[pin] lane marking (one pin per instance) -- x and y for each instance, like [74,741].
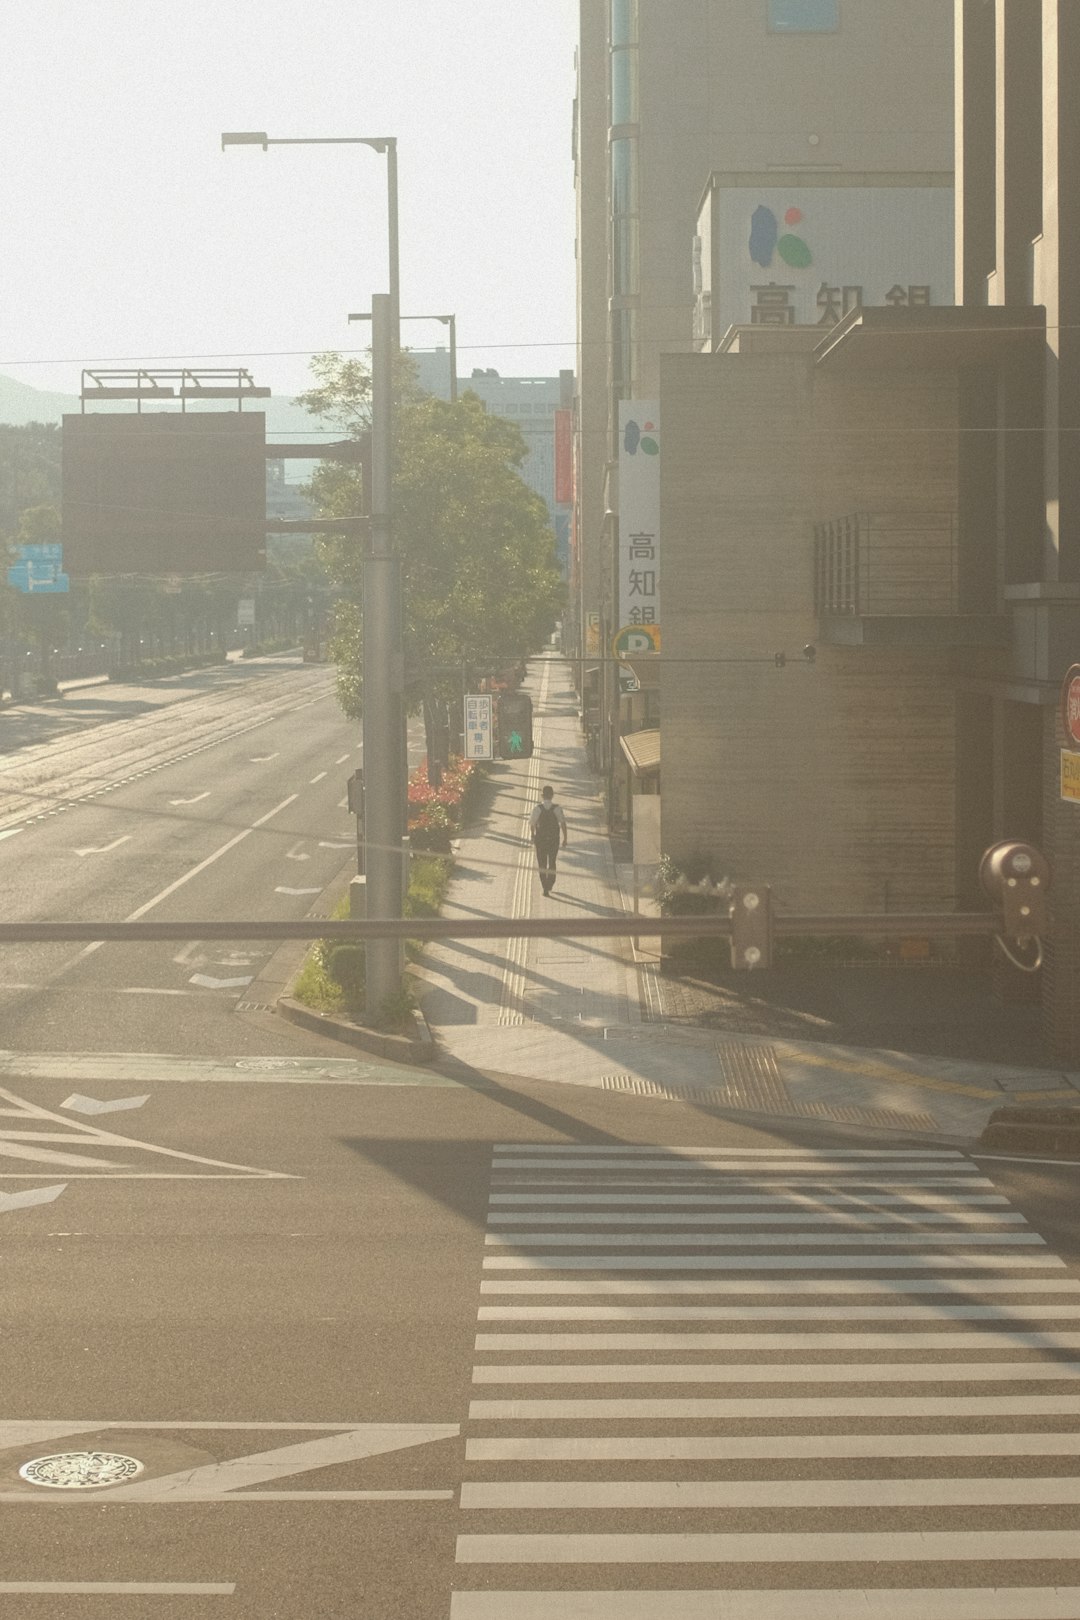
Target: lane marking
[327,843]
[341,760]
[896,1546]
[282,890]
[26,1200]
[86,1135]
[720,1159]
[645,1150]
[120,1588]
[104,849]
[199,797]
[79,1104]
[262,759]
[179,882]
[9,832]
[313,779]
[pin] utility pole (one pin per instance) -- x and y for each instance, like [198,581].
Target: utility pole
[383,679]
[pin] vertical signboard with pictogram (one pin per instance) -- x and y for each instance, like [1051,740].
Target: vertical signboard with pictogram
[639,512]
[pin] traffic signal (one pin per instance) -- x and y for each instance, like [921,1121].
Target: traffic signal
[1016,876]
[751,927]
[515,726]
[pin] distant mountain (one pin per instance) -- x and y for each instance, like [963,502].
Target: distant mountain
[20,404]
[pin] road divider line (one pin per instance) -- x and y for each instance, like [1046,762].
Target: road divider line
[231,843]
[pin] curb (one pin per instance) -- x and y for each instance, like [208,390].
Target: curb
[1054,1132]
[417,1047]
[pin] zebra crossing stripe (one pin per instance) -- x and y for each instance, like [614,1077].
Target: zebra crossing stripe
[976,1339]
[824,1406]
[845,1603]
[746,1495]
[918,1246]
[707,1447]
[772,1547]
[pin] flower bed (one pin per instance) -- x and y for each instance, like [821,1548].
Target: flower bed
[436,814]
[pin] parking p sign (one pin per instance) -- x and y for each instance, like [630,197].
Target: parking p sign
[478,728]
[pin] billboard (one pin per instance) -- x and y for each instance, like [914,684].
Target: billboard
[639,512]
[164,493]
[808,254]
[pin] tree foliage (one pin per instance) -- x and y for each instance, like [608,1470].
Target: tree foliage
[480,581]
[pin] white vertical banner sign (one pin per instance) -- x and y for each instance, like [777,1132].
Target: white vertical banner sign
[478,730]
[639,512]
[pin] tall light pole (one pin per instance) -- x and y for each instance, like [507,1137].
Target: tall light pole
[447,320]
[386,144]
[385,753]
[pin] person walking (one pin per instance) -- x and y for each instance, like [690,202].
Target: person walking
[547,828]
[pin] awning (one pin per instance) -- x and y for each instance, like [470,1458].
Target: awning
[642,750]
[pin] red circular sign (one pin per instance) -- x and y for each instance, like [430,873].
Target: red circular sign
[1070,706]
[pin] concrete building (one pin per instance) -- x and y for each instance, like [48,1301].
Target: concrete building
[1018,248]
[796,98]
[532,403]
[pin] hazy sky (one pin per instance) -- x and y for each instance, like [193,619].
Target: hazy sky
[127,234]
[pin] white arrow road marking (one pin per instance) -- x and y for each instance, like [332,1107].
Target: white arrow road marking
[208,983]
[32,1195]
[191,951]
[105,848]
[297,891]
[298,852]
[262,759]
[79,1104]
[15,1144]
[213,1481]
[196,800]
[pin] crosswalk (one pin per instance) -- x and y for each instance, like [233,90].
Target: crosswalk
[768,1384]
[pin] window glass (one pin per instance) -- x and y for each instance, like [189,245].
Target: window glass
[804,16]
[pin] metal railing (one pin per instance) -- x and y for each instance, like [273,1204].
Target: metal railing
[886,564]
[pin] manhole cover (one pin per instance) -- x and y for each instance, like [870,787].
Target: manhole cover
[80,1470]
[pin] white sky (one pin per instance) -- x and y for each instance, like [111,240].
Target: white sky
[126,233]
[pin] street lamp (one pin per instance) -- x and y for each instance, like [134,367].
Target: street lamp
[379,143]
[385,752]
[447,320]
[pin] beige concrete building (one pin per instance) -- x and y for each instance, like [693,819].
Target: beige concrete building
[759,91]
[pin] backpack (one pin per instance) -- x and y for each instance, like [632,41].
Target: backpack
[546,830]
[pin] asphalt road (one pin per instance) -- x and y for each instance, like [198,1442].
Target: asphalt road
[217,796]
[336,1339]
[531,1371]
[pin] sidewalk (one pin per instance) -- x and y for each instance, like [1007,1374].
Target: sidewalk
[591,1013]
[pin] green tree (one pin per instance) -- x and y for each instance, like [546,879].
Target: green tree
[480,581]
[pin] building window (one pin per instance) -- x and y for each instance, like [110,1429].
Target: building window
[804,16]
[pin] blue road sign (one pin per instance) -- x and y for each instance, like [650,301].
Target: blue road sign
[39,569]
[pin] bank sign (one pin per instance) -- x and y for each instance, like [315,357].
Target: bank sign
[808,255]
[639,512]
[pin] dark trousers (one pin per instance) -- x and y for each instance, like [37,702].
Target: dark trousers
[546,854]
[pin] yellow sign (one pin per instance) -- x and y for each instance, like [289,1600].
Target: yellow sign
[1070,776]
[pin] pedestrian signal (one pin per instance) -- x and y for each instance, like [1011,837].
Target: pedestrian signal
[515,726]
